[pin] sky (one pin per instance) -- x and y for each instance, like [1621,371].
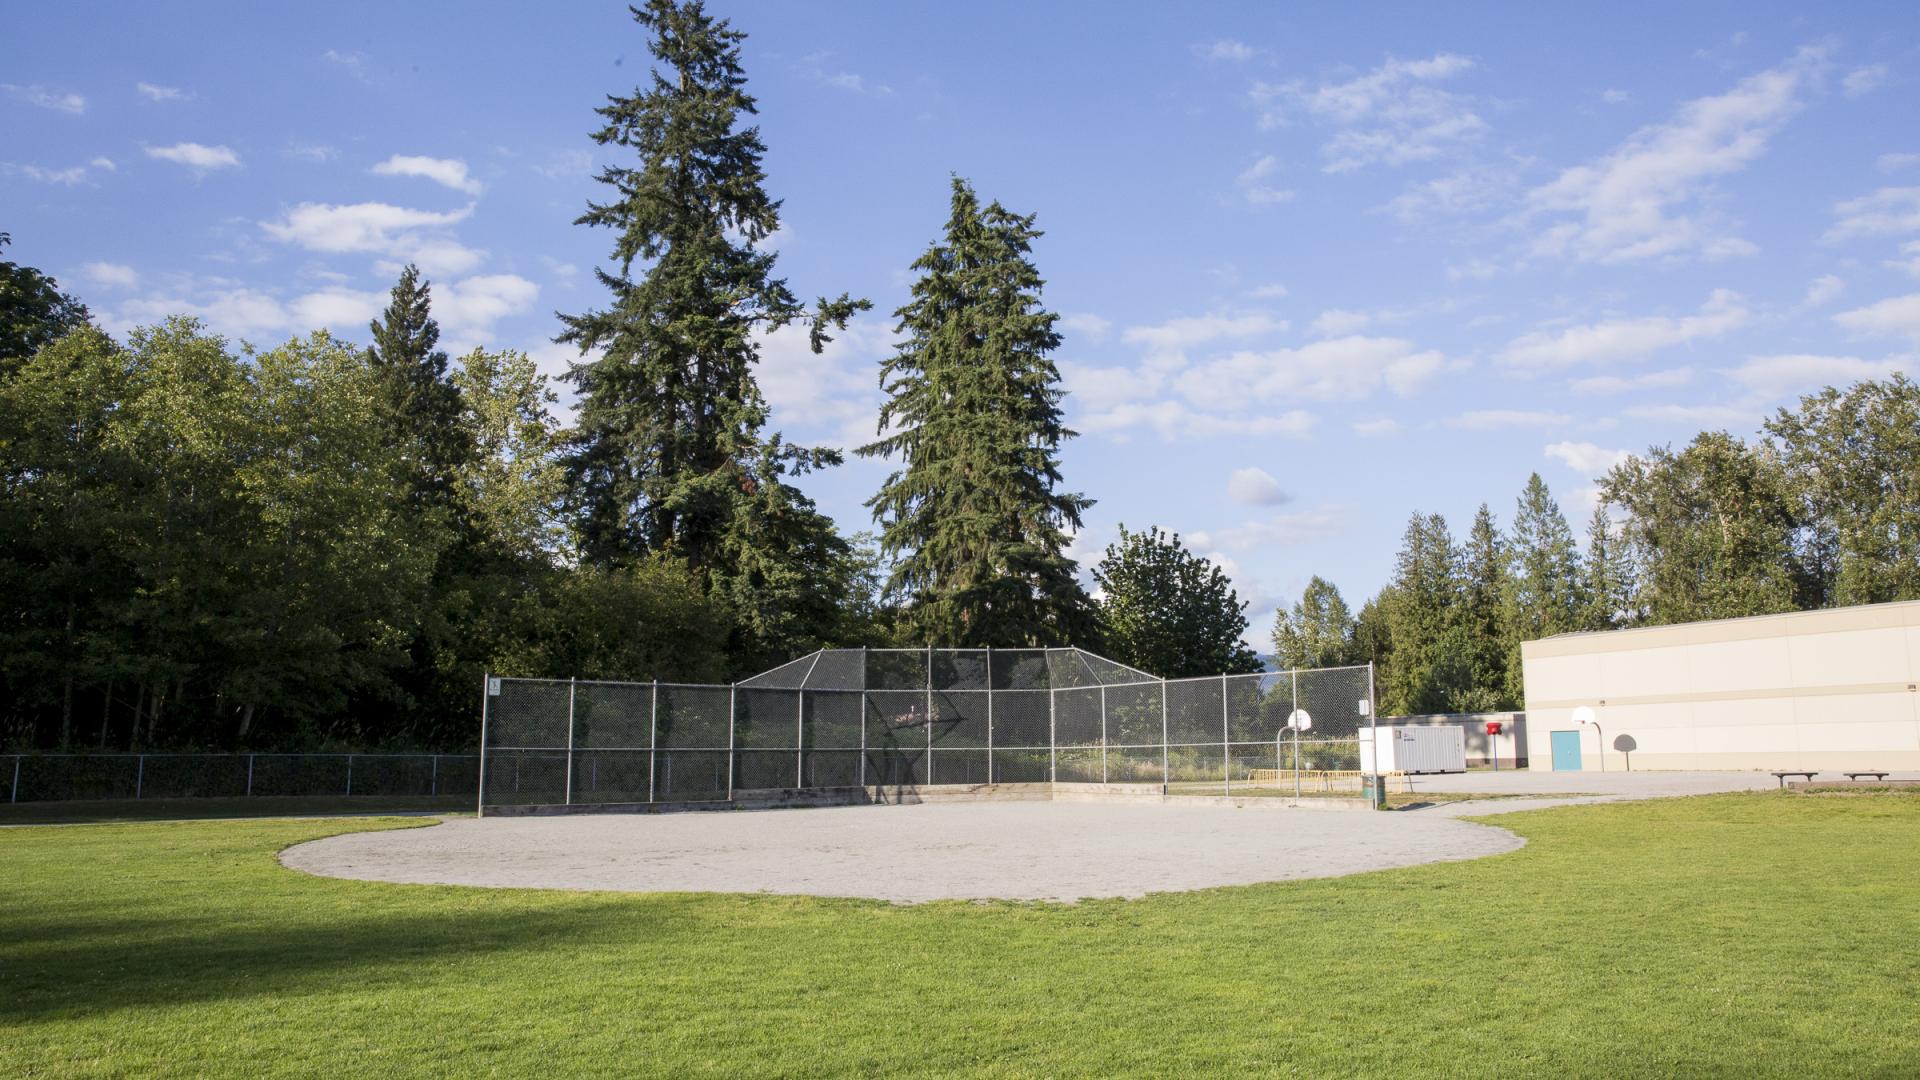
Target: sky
[1318,266]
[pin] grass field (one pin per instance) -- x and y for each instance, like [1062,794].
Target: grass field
[1731,935]
[79,811]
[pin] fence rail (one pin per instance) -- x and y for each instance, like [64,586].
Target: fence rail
[72,777]
[861,718]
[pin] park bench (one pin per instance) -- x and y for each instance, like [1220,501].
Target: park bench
[1858,775]
[1782,776]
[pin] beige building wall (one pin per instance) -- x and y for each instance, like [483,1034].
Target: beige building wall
[1827,690]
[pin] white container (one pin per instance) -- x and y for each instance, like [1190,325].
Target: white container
[1414,749]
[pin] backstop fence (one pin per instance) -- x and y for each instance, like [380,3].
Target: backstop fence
[897,718]
[178,775]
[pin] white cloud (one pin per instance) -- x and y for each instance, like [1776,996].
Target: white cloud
[1912,264]
[1620,384]
[1643,199]
[1778,376]
[111,275]
[1086,325]
[1391,115]
[1379,425]
[1253,183]
[847,80]
[1173,420]
[195,156]
[41,97]
[1458,193]
[104,163]
[1896,162]
[1340,369]
[832,397]
[1268,292]
[355,63]
[1280,530]
[1495,419]
[310,151]
[468,308]
[337,308]
[1823,289]
[1225,49]
[379,228]
[1194,330]
[251,313]
[71,176]
[1626,339]
[1615,97]
[1339,322]
[1862,81]
[161,93]
[1255,487]
[1889,211]
[1472,270]
[1697,416]
[447,172]
[1586,458]
[1893,316]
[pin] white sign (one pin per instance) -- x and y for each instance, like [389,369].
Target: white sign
[1298,720]
[493,687]
[1365,706]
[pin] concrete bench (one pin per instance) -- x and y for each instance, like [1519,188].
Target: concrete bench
[1858,775]
[1782,776]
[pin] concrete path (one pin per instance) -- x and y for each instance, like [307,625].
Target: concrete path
[907,854]
[1575,788]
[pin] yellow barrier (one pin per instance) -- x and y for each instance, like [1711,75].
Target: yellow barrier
[1324,780]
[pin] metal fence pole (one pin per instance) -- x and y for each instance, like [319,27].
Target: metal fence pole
[732,690]
[16,779]
[1053,749]
[1296,738]
[573,688]
[863,717]
[480,797]
[1226,740]
[433,776]
[653,737]
[1373,724]
[249,775]
[140,776]
[1103,733]
[929,715]
[989,715]
[349,774]
[1166,762]
[800,738]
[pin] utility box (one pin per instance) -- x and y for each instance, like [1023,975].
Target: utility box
[1413,749]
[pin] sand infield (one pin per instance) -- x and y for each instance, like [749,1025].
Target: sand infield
[1060,851]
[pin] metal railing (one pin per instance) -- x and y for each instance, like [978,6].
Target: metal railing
[906,718]
[74,777]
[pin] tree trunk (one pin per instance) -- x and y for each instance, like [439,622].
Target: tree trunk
[106,713]
[139,714]
[66,712]
[246,720]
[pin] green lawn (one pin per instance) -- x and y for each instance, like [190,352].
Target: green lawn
[80,811]
[1732,935]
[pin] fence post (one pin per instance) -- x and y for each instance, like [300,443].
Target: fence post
[249,775]
[1053,742]
[349,774]
[1103,733]
[1373,724]
[1226,739]
[480,782]
[433,776]
[140,776]
[573,686]
[16,780]
[1296,738]
[989,715]
[929,714]
[1166,762]
[863,718]
[653,737]
[731,691]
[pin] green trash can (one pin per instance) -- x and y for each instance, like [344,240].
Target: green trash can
[1374,790]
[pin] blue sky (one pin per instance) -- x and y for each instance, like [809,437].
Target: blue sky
[1320,265]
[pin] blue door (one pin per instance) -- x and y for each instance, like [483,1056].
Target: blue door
[1566,751]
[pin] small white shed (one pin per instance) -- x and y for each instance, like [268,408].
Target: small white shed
[1421,749]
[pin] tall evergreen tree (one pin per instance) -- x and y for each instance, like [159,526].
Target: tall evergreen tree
[1607,584]
[1421,608]
[975,513]
[1169,611]
[669,454]
[1484,629]
[1318,632]
[1544,594]
[422,405]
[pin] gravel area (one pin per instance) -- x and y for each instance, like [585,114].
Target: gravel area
[1058,851]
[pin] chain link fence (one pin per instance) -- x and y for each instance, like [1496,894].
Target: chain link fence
[897,718]
[71,777]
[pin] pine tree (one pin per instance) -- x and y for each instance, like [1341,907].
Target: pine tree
[1484,624]
[1544,597]
[669,454]
[1607,586]
[1421,611]
[422,405]
[975,513]
[1319,632]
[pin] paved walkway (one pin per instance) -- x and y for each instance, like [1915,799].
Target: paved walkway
[1575,788]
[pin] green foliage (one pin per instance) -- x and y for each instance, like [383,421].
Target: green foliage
[1607,589]
[33,312]
[1485,632]
[1546,593]
[648,620]
[1853,460]
[974,515]
[419,403]
[1422,615]
[1167,611]
[1712,530]
[1319,632]
[668,455]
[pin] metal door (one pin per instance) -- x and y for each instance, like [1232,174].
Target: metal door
[1566,751]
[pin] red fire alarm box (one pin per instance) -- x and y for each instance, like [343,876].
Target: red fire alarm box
[1493,727]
